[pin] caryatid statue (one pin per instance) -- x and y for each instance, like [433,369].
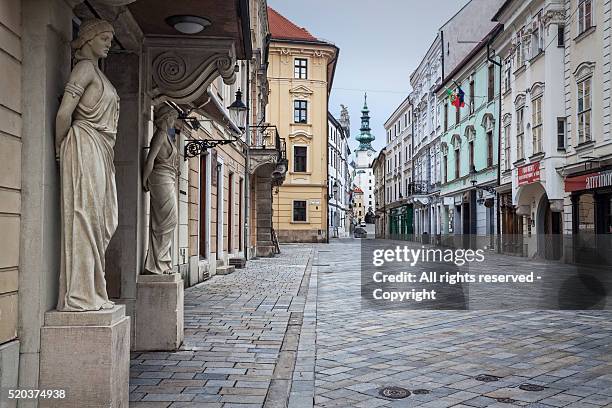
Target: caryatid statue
[85,133]
[159,178]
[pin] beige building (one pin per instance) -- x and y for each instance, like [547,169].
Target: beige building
[300,73]
[359,211]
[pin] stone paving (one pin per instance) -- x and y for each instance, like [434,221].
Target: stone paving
[359,351]
[291,332]
[235,327]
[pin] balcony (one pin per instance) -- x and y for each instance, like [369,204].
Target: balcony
[268,153]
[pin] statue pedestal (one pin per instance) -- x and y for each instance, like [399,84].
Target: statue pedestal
[159,312]
[87,354]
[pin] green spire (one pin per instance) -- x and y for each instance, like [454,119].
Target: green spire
[365,138]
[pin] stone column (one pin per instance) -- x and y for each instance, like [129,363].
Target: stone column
[125,253]
[46,32]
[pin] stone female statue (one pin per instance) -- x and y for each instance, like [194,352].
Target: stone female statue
[159,178]
[86,128]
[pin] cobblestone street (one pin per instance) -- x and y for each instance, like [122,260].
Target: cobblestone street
[250,342]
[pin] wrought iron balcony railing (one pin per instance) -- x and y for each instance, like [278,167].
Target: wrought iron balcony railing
[267,137]
[418,187]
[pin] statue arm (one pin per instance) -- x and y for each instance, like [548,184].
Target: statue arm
[80,77]
[156,144]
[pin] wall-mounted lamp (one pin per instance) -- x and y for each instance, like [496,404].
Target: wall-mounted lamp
[186,24]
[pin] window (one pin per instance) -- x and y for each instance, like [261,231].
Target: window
[561,133]
[585,15]
[520,49]
[300,68]
[445,162]
[536,123]
[560,35]
[491,83]
[300,111]
[520,131]
[457,115]
[457,162]
[299,159]
[405,120]
[507,76]
[537,35]
[299,211]
[471,151]
[446,116]
[584,111]
[507,147]
[490,149]
[472,97]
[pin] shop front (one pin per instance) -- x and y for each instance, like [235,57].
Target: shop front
[591,200]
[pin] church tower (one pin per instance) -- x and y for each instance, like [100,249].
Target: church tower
[364,155]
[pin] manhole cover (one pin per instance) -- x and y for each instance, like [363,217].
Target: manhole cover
[394,392]
[421,391]
[486,378]
[531,387]
[505,400]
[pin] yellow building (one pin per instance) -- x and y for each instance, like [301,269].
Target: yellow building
[300,73]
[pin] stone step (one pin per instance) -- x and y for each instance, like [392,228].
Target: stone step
[265,251]
[239,263]
[225,270]
[219,262]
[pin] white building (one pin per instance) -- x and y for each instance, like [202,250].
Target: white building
[398,170]
[532,109]
[339,176]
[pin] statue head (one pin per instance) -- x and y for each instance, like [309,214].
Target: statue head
[165,116]
[94,39]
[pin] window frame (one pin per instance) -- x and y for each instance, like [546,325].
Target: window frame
[536,124]
[561,136]
[520,132]
[584,24]
[300,71]
[305,209]
[298,110]
[305,158]
[507,147]
[584,113]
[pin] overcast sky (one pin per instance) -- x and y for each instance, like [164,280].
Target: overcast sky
[381,42]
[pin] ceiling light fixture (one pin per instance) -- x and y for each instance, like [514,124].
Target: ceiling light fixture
[188,24]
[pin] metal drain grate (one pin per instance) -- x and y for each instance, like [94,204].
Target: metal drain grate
[394,392]
[531,387]
[486,378]
[421,391]
[505,400]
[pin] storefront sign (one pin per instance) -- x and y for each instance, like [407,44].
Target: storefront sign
[589,181]
[529,174]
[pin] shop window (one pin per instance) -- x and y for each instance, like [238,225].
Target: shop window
[299,211]
[586,214]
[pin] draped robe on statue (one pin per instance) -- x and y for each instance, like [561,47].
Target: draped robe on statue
[162,185]
[88,201]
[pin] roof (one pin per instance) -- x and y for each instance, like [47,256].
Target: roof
[482,44]
[358,190]
[501,10]
[282,28]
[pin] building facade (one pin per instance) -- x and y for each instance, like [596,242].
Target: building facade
[380,187]
[469,144]
[339,178]
[398,177]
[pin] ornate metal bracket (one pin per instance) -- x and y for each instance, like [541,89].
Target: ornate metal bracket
[195,148]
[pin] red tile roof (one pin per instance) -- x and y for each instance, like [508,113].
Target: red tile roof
[283,29]
[358,190]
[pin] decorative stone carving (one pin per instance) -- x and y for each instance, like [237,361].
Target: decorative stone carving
[86,128]
[584,70]
[183,74]
[553,17]
[159,178]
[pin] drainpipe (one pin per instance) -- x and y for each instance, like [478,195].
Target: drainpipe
[499,133]
[247,186]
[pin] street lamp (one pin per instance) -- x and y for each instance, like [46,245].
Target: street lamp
[238,110]
[335,189]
